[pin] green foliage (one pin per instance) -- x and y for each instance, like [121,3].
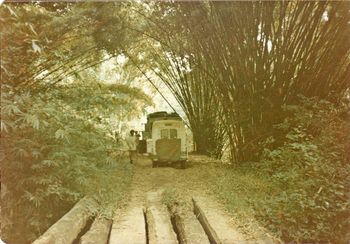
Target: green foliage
[312,169]
[57,119]
[57,127]
[256,57]
[299,190]
[56,152]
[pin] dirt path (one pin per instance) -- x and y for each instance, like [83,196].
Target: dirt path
[162,209]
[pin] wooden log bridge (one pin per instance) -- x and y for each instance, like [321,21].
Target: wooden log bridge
[151,224]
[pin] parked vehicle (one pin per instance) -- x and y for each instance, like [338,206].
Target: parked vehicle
[165,136]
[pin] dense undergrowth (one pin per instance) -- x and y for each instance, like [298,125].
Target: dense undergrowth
[312,170]
[58,148]
[299,190]
[58,120]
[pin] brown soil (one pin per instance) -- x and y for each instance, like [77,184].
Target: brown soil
[150,185]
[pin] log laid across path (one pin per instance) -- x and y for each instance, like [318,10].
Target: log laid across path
[149,219]
[68,228]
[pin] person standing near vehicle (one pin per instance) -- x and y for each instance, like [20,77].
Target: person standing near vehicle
[137,135]
[131,141]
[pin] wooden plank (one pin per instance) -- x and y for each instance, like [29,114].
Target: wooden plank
[160,230]
[188,229]
[194,232]
[129,228]
[215,223]
[98,232]
[211,233]
[66,229]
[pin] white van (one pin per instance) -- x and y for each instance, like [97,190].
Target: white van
[165,136]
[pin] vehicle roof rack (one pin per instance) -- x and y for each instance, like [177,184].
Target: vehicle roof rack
[162,114]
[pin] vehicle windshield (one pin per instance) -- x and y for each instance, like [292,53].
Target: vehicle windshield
[168,134]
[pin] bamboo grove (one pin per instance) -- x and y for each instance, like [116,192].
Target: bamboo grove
[234,65]
[241,72]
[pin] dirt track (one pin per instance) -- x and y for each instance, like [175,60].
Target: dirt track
[160,210]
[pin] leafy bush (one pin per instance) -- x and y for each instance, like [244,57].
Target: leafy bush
[312,170]
[57,131]
[59,147]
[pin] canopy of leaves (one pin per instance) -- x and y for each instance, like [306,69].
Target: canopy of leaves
[255,57]
[57,117]
[236,68]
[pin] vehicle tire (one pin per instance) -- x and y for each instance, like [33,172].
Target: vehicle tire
[154,164]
